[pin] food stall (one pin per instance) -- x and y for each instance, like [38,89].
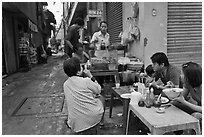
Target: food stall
[107,63]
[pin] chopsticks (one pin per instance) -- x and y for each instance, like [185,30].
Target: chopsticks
[159,97]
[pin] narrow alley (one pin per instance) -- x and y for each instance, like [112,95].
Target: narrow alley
[144,58]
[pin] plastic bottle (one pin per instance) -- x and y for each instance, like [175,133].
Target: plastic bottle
[151,96]
[141,88]
[102,45]
[147,101]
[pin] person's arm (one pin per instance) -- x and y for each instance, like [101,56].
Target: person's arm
[182,100]
[68,38]
[92,84]
[108,40]
[156,78]
[69,44]
[94,40]
[173,81]
[86,55]
[192,106]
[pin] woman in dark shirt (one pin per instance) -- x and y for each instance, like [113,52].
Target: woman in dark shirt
[192,73]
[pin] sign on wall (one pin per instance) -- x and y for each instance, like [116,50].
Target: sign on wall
[95,13]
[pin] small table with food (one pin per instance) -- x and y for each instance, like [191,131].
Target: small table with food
[106,66]
[166,118]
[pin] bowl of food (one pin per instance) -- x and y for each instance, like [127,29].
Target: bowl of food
[172,93]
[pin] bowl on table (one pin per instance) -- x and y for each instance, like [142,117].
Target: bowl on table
[126,95]
[172,93]
[164,100]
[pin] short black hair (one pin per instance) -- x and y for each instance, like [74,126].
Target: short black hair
[193,72]
[78,45]
[160,58]
[79,21]
[103,22]
[149,70]
[71,66]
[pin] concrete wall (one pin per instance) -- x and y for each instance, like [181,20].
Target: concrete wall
[154,28]
[8,43]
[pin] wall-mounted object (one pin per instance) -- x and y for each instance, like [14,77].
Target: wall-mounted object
[135,7]
[154,12]
[145,42]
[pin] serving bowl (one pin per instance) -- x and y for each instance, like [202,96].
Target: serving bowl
[172,93]
[126,95]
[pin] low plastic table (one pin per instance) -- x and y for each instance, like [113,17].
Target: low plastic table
[172,119]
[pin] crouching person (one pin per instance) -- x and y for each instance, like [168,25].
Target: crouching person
[85,105]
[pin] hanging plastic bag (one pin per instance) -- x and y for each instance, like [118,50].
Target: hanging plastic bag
[131,34]
[135,33]
[125,38]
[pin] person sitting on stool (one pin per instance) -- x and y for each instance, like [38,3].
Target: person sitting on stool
[85,105]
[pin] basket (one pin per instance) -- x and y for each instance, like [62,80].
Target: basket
[99,66]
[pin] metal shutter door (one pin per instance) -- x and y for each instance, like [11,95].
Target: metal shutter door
[114,19]
[184,32]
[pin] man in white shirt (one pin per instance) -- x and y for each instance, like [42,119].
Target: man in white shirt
[85,105]
[101,39]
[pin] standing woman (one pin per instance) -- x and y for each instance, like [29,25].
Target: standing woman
[101,39]
[192,86]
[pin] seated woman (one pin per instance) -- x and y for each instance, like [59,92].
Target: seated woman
[80,54]
[84,104]
[192,86]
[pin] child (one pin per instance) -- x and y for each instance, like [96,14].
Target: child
[80,54]
[151,78]
[150,73]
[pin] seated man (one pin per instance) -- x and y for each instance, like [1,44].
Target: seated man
[168,73]
[84,103]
